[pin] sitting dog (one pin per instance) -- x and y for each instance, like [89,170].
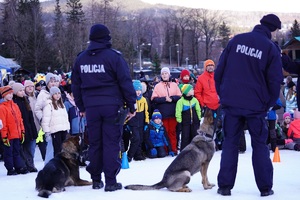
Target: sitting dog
[62,170]
[193,158]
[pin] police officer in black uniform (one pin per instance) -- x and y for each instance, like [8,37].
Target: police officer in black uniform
[248,78]
[101,84]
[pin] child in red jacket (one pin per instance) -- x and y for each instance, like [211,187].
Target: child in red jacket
[12,133]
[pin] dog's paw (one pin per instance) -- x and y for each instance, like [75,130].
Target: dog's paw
[209,186]
[184,189]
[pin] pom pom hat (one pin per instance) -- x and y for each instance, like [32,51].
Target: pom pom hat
[6,90]
[156,115]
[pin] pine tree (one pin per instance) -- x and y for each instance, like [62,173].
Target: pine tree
[224,32]
[76,31]
[156,63]
[295,29]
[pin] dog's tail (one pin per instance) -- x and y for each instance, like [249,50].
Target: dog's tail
[156,186]
[44,193]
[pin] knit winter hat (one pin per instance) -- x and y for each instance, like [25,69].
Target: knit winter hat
[28,83]
[271,21]
[54,90]
[183,73]
[17,87]
[49,76]
[5,90]
[165,69]
[286,114]
[208,62]
[99,31]
[185,88]
[156,115]
[137,85]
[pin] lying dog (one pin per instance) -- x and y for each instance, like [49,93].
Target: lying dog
[192,159]
[62,170]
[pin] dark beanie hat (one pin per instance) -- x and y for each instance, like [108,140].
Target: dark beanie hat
[99,31]
[271,21]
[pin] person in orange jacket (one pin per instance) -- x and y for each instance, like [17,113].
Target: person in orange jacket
[12,133]
[205,90]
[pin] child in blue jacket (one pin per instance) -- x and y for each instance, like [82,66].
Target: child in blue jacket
[156,138]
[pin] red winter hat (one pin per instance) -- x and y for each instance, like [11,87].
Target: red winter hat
[6,90]
[184,73]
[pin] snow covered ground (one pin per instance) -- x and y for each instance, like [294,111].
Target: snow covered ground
[150,171]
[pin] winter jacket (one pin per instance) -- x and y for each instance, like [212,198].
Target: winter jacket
[271,115]
[249,72]
[27,116]
[54,120]
[294,68]
[101,77]
[12,120]
[77,124]
[294,130]
[142,115]
[42,98]
[291,103]
[32,101]
[156,136]
[188,111]
[205,91]
[160,92]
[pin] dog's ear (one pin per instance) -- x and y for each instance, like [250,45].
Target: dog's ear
[208,115]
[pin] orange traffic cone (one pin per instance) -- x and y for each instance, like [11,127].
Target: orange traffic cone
[276,157]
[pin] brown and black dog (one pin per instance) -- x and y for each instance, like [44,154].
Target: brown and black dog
[62,170]
[192,159]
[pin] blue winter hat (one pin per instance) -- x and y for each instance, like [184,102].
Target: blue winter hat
[137,85]
[156,115]
[99,31]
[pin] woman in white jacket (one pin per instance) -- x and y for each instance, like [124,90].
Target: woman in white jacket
[41,100]
[55,121]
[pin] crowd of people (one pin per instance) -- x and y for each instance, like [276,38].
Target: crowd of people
[162,117]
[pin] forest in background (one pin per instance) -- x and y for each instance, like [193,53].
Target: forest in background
[49,35]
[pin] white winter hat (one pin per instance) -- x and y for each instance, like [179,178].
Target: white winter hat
[165,69]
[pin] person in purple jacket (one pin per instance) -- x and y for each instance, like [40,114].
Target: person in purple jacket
[248,78]
[101,85]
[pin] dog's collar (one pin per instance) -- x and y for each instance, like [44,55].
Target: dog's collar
[205,135]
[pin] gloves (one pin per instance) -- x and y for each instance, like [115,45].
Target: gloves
[22,139]
[6,142]
[153,152]
[171,153]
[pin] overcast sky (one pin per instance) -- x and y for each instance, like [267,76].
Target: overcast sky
[238,5]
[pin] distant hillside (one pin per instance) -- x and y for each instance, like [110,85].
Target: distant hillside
[244,20]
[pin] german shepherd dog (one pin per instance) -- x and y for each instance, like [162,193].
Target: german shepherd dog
[62,170]
[193,158]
